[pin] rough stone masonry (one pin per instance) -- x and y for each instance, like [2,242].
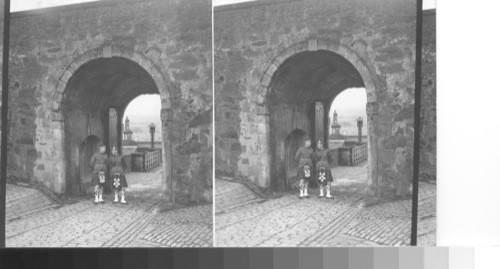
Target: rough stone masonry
[68,65]
[273,59]
[428,164]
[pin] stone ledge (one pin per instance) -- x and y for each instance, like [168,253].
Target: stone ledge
[429,12]
[71,7]
[252,4]
[49,193]
[250,185]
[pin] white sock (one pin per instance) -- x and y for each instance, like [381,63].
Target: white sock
[96,198]
[321,191]
[305,192]
[301,193]
[328,193]
[116,197]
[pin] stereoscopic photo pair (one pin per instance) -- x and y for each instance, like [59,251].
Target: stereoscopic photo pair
[278,123]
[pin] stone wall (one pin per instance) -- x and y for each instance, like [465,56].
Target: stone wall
[377,37]
[428,157]
[172,38]
[1,49]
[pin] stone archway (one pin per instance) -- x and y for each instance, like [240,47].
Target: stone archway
[76,100]
[360,73]
[109,51]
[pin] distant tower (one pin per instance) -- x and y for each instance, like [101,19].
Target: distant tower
[336,135]
[335,124]
[127,133]
[152,128]
[360,129]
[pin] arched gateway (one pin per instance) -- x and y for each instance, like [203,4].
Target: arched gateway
[90,99]
[298,89]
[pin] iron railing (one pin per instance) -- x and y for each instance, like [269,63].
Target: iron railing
[144,160]
[152,159]
[352,154]
[359,154]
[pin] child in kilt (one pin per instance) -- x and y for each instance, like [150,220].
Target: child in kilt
[119,182]
[99,162]
[323,172]
[304,157]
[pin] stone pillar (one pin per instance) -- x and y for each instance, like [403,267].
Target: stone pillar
[152,132]
[372,113]
[59,154]
[360,129]
[264,163]
[319,123]
[167,175]
[326,127]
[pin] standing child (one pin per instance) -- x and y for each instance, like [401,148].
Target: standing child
[304,157]
[99,162]
[119,183]
[324,174]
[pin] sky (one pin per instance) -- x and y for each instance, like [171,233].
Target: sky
[350,104]
[21,5]
[350,100]
[142,111]
[144,107]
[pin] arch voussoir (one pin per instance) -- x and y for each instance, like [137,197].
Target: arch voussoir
[116,51]
[361,65]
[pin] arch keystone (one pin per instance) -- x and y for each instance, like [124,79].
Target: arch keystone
[107,51]
[312,44]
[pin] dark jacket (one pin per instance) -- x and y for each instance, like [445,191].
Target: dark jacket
[117,164]
[322,159]
[99,161]
[304,156]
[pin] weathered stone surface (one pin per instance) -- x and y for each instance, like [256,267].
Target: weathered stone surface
[245,219]
[34,220]
[372,43]
[59,75]
[428,111]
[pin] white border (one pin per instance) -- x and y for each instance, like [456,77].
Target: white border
[468,128]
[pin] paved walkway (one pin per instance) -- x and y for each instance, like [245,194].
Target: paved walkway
[145,185]
[250,221]
[33,220]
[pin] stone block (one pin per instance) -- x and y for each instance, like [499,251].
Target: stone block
[312,44]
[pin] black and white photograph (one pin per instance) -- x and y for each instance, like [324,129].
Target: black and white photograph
[249,133]
[110,124]
[314,123]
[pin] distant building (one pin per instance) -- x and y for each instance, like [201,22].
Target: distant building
[335,128]
[127,134]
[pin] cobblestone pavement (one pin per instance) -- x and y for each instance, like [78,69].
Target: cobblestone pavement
[33,220]
[289,221]
[145,184]
[233,195]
